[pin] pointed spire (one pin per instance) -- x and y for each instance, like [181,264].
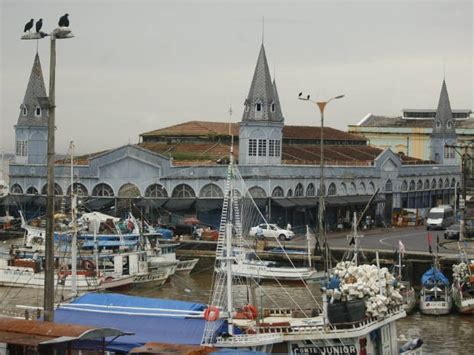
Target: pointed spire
[29,115]
[444,123]
[258,105]
[276,102]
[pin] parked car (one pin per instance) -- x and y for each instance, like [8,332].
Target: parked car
[271,231]
[452,232]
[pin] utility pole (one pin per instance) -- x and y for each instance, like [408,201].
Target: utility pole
[50,104]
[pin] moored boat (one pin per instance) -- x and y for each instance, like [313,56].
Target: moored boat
[463,287]
[435,294]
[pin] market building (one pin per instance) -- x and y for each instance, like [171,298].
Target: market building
[181,170]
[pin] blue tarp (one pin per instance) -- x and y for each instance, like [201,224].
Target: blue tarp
[144,323]
[434,276]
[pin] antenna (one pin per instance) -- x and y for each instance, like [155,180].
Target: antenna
[230,130]
[263,29]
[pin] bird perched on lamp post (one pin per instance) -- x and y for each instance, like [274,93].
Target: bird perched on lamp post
[29,26]
[64,21]
[39,24]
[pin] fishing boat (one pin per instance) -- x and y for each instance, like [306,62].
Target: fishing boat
[248,264]
[435,294]
[357,301]
[463,284]
[24,267]
[405,288]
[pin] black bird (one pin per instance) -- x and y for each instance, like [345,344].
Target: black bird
[29,25]
[64,21]
[299,95]
[39,24]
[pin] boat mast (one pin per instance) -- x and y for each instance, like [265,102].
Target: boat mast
[228,236]
[74,227]
[308,241]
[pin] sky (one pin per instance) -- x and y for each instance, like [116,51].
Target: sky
[137,66]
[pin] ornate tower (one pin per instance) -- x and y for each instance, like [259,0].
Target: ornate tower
[260,138]
[444,131]
[31,130]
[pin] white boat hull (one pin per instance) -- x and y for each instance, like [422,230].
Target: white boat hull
[464,303]
[436,307]
[259,271]
[186,266]
[14,276]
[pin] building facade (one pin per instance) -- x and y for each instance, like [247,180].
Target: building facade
[181,170]
[420,133]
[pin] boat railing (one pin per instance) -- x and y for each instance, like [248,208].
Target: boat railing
[334,328]
[243,339]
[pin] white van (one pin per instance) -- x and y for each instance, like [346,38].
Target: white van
[440,217]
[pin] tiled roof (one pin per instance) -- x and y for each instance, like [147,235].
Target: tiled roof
[34,90]
[400,122]
[205,129]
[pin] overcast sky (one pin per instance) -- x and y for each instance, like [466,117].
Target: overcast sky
[136,66]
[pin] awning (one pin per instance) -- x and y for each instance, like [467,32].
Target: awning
[305,201]
[179,204]
[334,201]
[36,333]
[209,204]
[15,200]
[151,202]
[283,202]
[98,203]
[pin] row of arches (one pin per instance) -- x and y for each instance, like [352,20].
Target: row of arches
[212,190]
[419,185]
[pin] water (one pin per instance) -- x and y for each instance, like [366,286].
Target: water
[452,334]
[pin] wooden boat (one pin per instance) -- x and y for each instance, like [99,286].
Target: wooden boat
[297,330]
[463,287]
[435,294]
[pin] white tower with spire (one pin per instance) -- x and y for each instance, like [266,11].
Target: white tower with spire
[444,131]
[31,130]
[260,138]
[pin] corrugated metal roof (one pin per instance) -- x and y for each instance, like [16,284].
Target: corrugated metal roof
[34,333]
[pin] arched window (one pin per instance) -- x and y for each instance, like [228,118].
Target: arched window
[16,189]
[58,191]
[440,183]
[273,107]
[388,186]
[156,190]
[453,183]
[412,185]
[278,192]
[446,183]
[433,184]
[211,190]
[258,107]
[362,189]
[299,191]
[371,188]
[79,189]
[343,189]
[352,189]
[183,190]
[310,190]
[332,189]
[427,184]
[289,193]
[103,190]
[257,192]
[32,190]
[24,110]
[38,111]
[404,185]
[129,190]
[419,185]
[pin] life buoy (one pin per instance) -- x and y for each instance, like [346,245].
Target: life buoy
[211,313]
[88,265]
[63,271]
[250,311]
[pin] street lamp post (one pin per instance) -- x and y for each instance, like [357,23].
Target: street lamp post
[322,190]
[49,103]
